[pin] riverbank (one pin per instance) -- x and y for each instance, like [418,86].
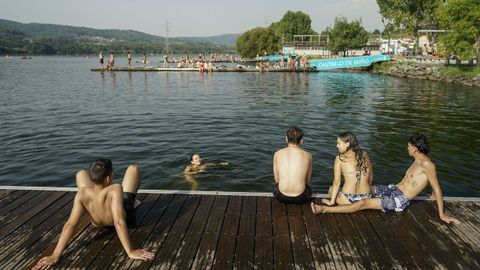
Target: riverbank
[466,75]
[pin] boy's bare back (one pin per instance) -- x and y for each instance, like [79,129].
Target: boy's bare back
[98,203]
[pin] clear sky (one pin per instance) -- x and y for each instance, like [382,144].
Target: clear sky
[186,17]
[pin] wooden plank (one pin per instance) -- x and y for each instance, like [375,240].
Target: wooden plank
[188,249]
[416,232]
[224,255]
[144,230]
[16,203]
[302,254]
[47,242]
[282,246]
[164,225]
[208,244]
[468,228]
[172,243]
[32,242]
[245,250]
[29,211]
[13,241]
[10,198]
[5,193]
[318,242]
[373,245]
[455,250]
[263,234]
[394,255]
[354,241]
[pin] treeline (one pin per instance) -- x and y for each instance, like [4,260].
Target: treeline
[43,39]
[343,35]
[461,19]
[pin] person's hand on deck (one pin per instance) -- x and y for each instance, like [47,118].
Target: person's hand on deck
[45,263]
[140,254]
[449,219]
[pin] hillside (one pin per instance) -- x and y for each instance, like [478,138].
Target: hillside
[36,38]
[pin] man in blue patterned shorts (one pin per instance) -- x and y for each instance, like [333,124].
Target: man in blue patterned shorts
[397,197]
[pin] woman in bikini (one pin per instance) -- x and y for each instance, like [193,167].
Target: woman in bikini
[354,165]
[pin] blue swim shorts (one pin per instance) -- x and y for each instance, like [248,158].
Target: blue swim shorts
[392,199]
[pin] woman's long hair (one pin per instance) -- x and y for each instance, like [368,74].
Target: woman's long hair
[360,155]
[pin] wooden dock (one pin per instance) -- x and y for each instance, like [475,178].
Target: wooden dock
[173,69]
[193,230]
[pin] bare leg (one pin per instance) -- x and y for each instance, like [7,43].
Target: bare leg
[83,179]
[131,180]
[373,203]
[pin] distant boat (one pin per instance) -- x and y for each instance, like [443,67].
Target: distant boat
[25,57]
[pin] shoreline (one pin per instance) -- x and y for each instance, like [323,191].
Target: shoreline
[464,75]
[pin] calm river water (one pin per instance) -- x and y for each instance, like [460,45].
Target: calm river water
[56,116]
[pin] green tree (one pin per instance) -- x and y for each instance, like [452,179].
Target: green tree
[294,23]
[463,17]
[345,35]
[257,41]
[411,15]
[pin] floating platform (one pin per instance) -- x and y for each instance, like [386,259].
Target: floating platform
[222,230]
[172,69]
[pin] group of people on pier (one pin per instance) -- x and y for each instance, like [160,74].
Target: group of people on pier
[110,204]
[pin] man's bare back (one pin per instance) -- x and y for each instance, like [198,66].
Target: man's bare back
[98,203]
[292,169]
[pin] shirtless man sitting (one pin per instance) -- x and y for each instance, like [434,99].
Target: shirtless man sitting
[292,170]
[397,197]
[106,204]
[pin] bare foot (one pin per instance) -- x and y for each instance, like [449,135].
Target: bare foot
[326,201]
[136,203]
[317,209]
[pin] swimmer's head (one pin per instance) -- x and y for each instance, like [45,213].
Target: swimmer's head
[195,159]
[294,135]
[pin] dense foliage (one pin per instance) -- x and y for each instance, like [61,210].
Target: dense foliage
[344,35]
[463,17]
[259,40]
[410,15]
[47,39]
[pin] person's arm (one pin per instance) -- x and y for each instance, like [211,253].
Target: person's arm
[118,214]
[65,236]
[275,169]
[337,178]
[431,172]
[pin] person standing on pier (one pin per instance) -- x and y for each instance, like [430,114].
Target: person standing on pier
[100,57]
[106,204]
[397,197]
[111,61]
[144,60]
[129,58]
[292,170]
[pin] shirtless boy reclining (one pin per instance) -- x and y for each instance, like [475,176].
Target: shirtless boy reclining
[106,204]
[397,197]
